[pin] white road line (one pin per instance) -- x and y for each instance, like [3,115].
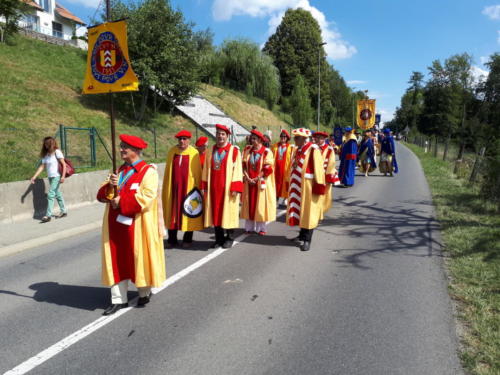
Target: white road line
[65,343]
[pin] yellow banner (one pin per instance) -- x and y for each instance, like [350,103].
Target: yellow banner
[366,113]
[108,64]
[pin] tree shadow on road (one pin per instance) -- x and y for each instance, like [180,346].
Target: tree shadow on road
[75,296]
[395,229]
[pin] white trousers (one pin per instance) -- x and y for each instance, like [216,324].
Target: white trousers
[119,292]
[255,226]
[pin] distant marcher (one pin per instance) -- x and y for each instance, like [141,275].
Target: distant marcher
[267,141]
[201,146]
[306,188]
[132,242]
[367,154]
[282,152]
[52,157]
[222,184]
[348,156]
[259,193]
[181,195]
[388,163]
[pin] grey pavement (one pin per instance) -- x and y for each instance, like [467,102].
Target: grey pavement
[369,298]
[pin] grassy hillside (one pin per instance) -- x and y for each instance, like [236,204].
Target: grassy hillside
[40,88]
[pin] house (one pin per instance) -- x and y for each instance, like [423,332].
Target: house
[51,19]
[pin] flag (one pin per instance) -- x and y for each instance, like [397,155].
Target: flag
[366,113]
[108,64]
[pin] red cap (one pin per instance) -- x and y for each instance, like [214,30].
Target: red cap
[134,141]
[202,141]
[183,133]
[321,134]
[258,134]
[283,131]
[223,128]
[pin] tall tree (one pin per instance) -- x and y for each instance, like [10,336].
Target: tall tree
[11,11]
[300,103]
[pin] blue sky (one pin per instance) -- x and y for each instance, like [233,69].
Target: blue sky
[375,44]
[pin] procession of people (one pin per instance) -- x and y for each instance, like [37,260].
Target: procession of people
[216,186]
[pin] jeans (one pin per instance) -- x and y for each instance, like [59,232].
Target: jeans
[54,192]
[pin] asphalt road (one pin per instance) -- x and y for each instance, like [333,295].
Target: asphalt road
[369,298]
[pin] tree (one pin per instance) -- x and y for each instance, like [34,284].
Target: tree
[12,11]
[162,49]
[300,103]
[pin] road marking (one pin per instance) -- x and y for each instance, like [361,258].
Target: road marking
[65,343]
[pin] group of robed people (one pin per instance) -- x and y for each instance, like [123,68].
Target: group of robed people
[203,187]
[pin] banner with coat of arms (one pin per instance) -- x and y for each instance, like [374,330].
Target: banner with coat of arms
[366,113]
[108,64]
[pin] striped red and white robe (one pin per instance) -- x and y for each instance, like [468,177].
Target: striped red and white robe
[307,186]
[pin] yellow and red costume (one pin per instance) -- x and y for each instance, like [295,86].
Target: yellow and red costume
[282,156]
[331,175]
[132,245]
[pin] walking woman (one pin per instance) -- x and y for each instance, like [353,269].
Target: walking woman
[51,158]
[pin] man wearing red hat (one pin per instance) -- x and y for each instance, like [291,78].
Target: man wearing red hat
[331,175]
[259,193]
[201,146]
[282,152]
[132,244]
[182,199]
[306,187]
[222,182]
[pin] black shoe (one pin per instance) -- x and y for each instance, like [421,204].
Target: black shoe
[215,245]
[305,246]
[114,308]
[144,300]
[227,244]
[45,219]
[296,240]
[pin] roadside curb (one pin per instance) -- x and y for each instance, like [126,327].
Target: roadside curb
[44,240]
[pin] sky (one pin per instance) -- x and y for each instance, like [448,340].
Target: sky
[374,44]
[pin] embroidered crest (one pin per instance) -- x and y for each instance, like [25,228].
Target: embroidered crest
[108,64]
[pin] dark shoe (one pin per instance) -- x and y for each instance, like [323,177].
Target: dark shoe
[186,245]
[296,240]
[144,300]
[114,308]
[61,215]
[305,246]
[171,245]
[215,245]
[227,244]
[45,219]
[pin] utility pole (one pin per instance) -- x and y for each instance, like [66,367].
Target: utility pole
[319,80]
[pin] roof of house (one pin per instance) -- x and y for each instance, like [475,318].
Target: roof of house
[64,13]
[33,4]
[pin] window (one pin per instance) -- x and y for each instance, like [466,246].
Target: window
[45,4]
[57,30]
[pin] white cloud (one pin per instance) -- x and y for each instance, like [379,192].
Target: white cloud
[87,3]
[478,74]
[336,47]
[484,59]
[356,82]
[492,12]
[386,114]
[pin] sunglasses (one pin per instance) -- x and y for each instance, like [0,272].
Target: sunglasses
[183,138]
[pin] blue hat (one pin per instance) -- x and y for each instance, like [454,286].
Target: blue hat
[348,129]
[387,130]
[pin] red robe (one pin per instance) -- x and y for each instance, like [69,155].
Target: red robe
[253,170]
[280,167]
[180,171]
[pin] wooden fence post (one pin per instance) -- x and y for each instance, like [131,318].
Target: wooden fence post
[477,163]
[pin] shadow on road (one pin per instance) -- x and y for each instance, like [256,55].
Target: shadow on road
[395,229]
[76,296]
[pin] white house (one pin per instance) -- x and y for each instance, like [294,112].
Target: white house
[50,18]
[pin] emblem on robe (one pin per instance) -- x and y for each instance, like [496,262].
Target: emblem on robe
[193,204]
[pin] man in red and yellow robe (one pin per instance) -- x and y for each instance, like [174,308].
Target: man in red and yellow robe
[282,152]
[132,244]
[259,194]
[222,184]
[331,175]
[182,199]
[306,181]
[201,145]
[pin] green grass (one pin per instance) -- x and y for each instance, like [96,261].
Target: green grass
[40,88]
[471,234]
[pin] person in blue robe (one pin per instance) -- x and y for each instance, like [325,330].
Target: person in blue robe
[366,153]
[348,156]
[388,163]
